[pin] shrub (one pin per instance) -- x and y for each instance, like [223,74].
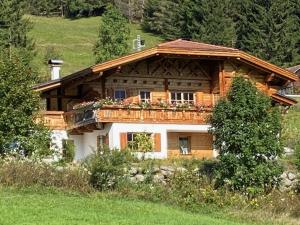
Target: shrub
[297,156]
[107,168]
[24,173]
[246,128]
[68,150]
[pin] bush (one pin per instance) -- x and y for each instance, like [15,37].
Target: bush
[107,168]
[68,150]
[297,156]
[25,173]
[246,128]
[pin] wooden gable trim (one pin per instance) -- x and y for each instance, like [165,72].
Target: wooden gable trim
[283,100]
[161,49]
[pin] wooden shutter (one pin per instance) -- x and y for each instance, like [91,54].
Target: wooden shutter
[106,140]
[123,140]
[157,142]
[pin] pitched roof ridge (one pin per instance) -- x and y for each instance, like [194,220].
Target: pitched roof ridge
[168,42]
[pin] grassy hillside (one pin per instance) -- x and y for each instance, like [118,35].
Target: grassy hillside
[74,40]
[58,208]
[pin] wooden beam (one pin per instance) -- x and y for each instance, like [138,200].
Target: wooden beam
[222,79]
[269,77]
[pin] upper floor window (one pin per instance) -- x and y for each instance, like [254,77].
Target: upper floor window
[120,95]
[182,97]
[145,96]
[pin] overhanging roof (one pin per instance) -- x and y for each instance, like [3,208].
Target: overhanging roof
[284,100]
[177,47]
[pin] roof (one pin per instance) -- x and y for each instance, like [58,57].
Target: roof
[283,99]
[177,47]
[294,69]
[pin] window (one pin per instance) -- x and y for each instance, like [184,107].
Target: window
[120,95]
[135,143]
[182,97]
[145,96]
[184,145]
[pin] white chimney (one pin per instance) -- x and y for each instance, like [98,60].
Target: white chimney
[55,66]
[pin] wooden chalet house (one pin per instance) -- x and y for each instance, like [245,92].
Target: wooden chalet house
[167,91]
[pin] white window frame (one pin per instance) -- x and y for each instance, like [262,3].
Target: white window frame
[182,97]
[150,95]
[120,90]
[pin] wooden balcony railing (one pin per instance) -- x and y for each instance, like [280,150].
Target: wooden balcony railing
[136,114]
[53,120]
[152,116]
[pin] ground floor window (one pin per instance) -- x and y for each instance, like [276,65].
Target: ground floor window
[140,141]
[184,145]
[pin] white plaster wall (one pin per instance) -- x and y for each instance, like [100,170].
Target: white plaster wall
[86,143]
[163,129]
[56,144]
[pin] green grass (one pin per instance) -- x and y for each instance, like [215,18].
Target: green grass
[74,39]
[53,207]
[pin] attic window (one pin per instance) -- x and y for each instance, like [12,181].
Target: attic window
[124,81]
[115,81]
[144,82]
[135,81]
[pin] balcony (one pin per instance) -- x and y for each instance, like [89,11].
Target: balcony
[54,120]
[106,111]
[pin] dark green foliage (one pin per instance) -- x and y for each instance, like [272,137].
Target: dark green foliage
[68,151]
[297,155]
[80,8]
[107,168]
[162,17]
[252,26]
[246,129]
[284,38]
[13,27]
[207,21]
[19,106]
[45,7]
[113,36]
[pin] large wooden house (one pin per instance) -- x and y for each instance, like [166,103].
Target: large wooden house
[167,91]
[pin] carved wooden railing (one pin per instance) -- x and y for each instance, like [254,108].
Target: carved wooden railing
[152,114]
[53,119]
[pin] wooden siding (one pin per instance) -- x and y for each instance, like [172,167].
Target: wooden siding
[152,116]
[201,145]
[54,120]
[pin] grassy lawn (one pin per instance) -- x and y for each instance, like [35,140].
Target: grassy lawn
[74,40]
[53,207]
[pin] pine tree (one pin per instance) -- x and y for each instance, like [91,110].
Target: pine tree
[13,27]
[284,38]
[162,17]
[252,26]
[246,129]
[19,107]
[113,36]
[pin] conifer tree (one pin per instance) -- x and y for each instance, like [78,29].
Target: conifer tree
[19,107]
[162,17]
[246,129]
[13,27]
[113,36]
[252,26]
[284,38]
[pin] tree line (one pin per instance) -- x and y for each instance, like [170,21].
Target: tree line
[268,29]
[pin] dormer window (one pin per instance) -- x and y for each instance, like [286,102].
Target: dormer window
[145,96]
[120,95]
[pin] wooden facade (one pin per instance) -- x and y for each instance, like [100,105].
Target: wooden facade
[200,145]
[174,72]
